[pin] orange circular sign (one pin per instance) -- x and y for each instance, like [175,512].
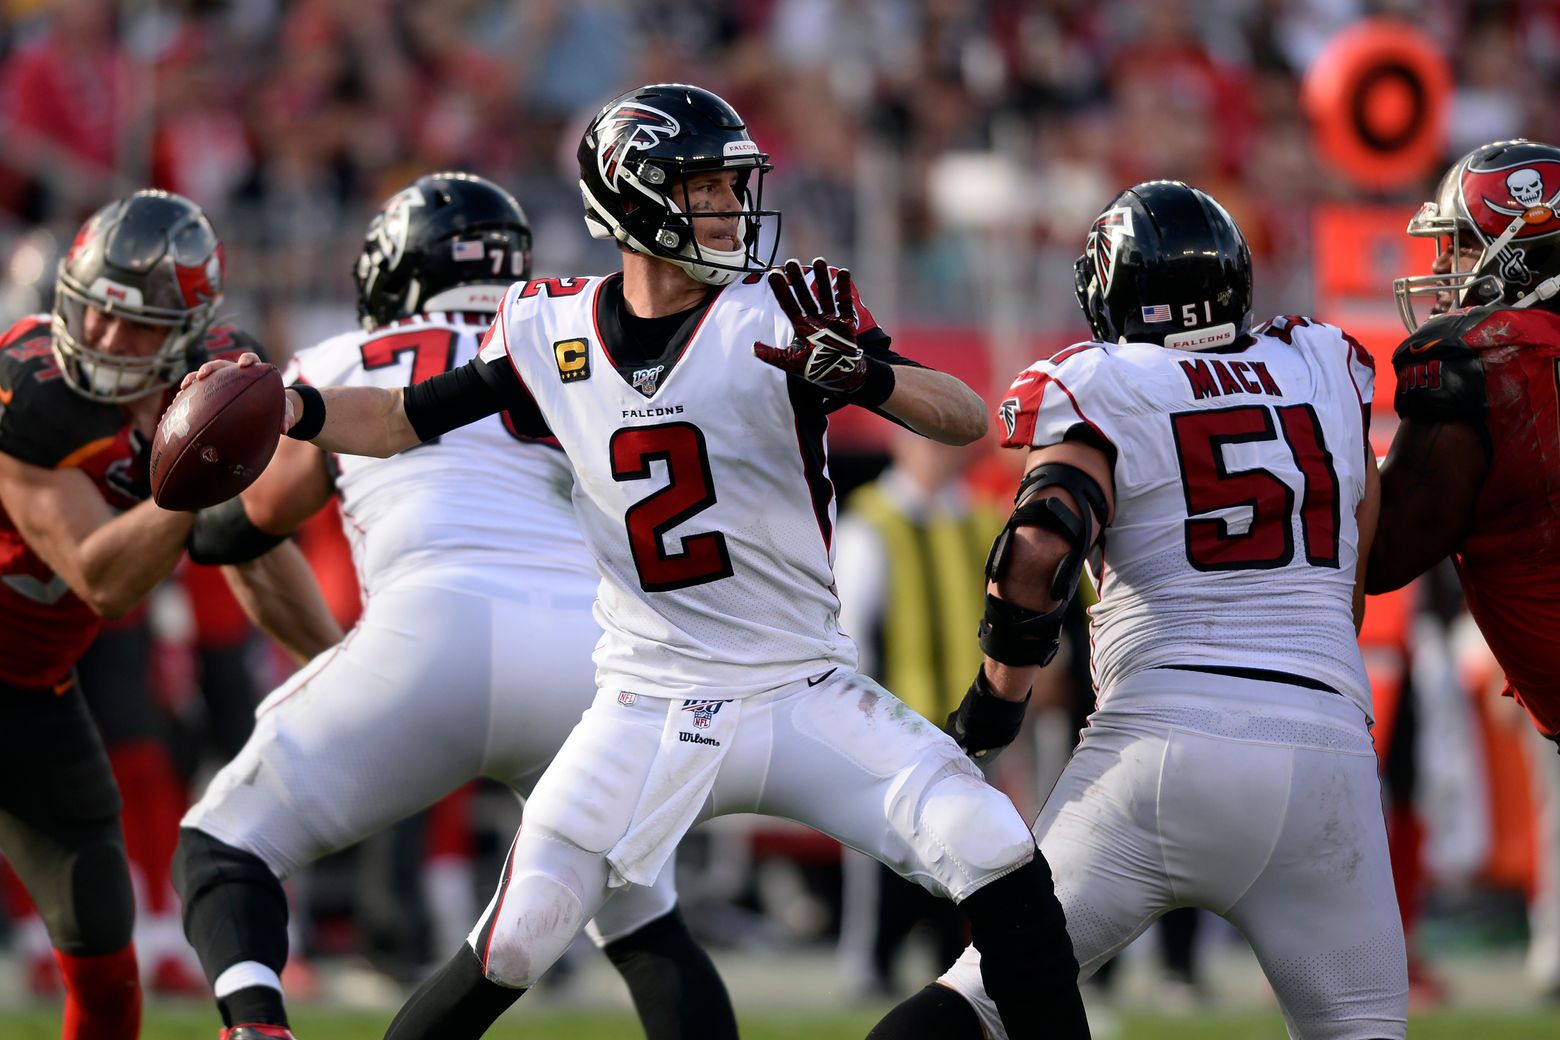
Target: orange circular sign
[1377,98]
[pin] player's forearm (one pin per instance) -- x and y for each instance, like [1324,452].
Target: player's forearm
[123,560]
[360,420]
[1010,682]
[279,593]
[936,405]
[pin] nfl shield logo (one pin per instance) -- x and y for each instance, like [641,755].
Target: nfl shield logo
[703,711]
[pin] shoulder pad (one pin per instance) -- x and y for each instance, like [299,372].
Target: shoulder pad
[552,288]
[1283,326]
[1069,352]
[42,420]
[1439,375]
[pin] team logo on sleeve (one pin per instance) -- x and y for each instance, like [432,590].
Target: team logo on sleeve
[573,357]
[1007,412]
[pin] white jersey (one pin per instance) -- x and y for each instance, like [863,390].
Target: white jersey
[456,502]
[1237,476]
[707,504]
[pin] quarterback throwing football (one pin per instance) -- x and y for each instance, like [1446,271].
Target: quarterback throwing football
[691,393]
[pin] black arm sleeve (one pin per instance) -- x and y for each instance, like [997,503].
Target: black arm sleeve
[473,391]
[224,534]
[876,343]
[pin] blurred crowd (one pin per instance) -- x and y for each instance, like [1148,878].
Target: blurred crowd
[952,151]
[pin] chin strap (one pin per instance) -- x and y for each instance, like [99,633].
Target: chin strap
[1543,292]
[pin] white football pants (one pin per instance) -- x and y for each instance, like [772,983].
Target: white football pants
[843,756]
[1258,801]
[481,674]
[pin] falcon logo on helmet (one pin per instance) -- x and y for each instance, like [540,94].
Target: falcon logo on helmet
[1106,238]
[391,228]
[628,127]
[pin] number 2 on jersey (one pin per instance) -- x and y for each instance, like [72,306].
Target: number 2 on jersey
[703,557]
[1209,486]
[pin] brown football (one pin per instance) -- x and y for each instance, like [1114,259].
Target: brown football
[216,437]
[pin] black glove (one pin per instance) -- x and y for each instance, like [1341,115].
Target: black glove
[984,723]
[824,351]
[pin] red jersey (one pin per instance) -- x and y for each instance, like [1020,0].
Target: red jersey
[1499,369]
[44,626]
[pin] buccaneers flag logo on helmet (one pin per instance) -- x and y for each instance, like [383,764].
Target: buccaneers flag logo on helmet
[627,127]
[1493,196]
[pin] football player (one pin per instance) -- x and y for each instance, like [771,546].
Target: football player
[1470,473]
[691,392]
[1224,472]
[80,395]
[472,657]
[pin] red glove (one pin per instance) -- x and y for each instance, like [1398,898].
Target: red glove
[824,350]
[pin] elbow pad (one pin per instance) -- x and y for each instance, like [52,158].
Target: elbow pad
[224,534]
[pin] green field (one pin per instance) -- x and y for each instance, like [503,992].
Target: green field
[201,1025]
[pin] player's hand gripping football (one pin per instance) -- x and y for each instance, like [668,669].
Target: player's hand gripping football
[824,351]
[211,368]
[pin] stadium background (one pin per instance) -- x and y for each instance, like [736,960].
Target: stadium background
[952,152]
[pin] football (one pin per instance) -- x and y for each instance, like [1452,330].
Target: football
[216,437]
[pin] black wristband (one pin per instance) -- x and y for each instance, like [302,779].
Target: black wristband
[984,724]
[877,387]
[312,421]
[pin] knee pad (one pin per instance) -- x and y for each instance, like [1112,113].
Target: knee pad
[98,911]
[536,919]
[975,833]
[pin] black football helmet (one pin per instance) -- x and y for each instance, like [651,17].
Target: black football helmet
[1500,199]
[151,258]
[1165,263]
[632,158]
[446,242]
